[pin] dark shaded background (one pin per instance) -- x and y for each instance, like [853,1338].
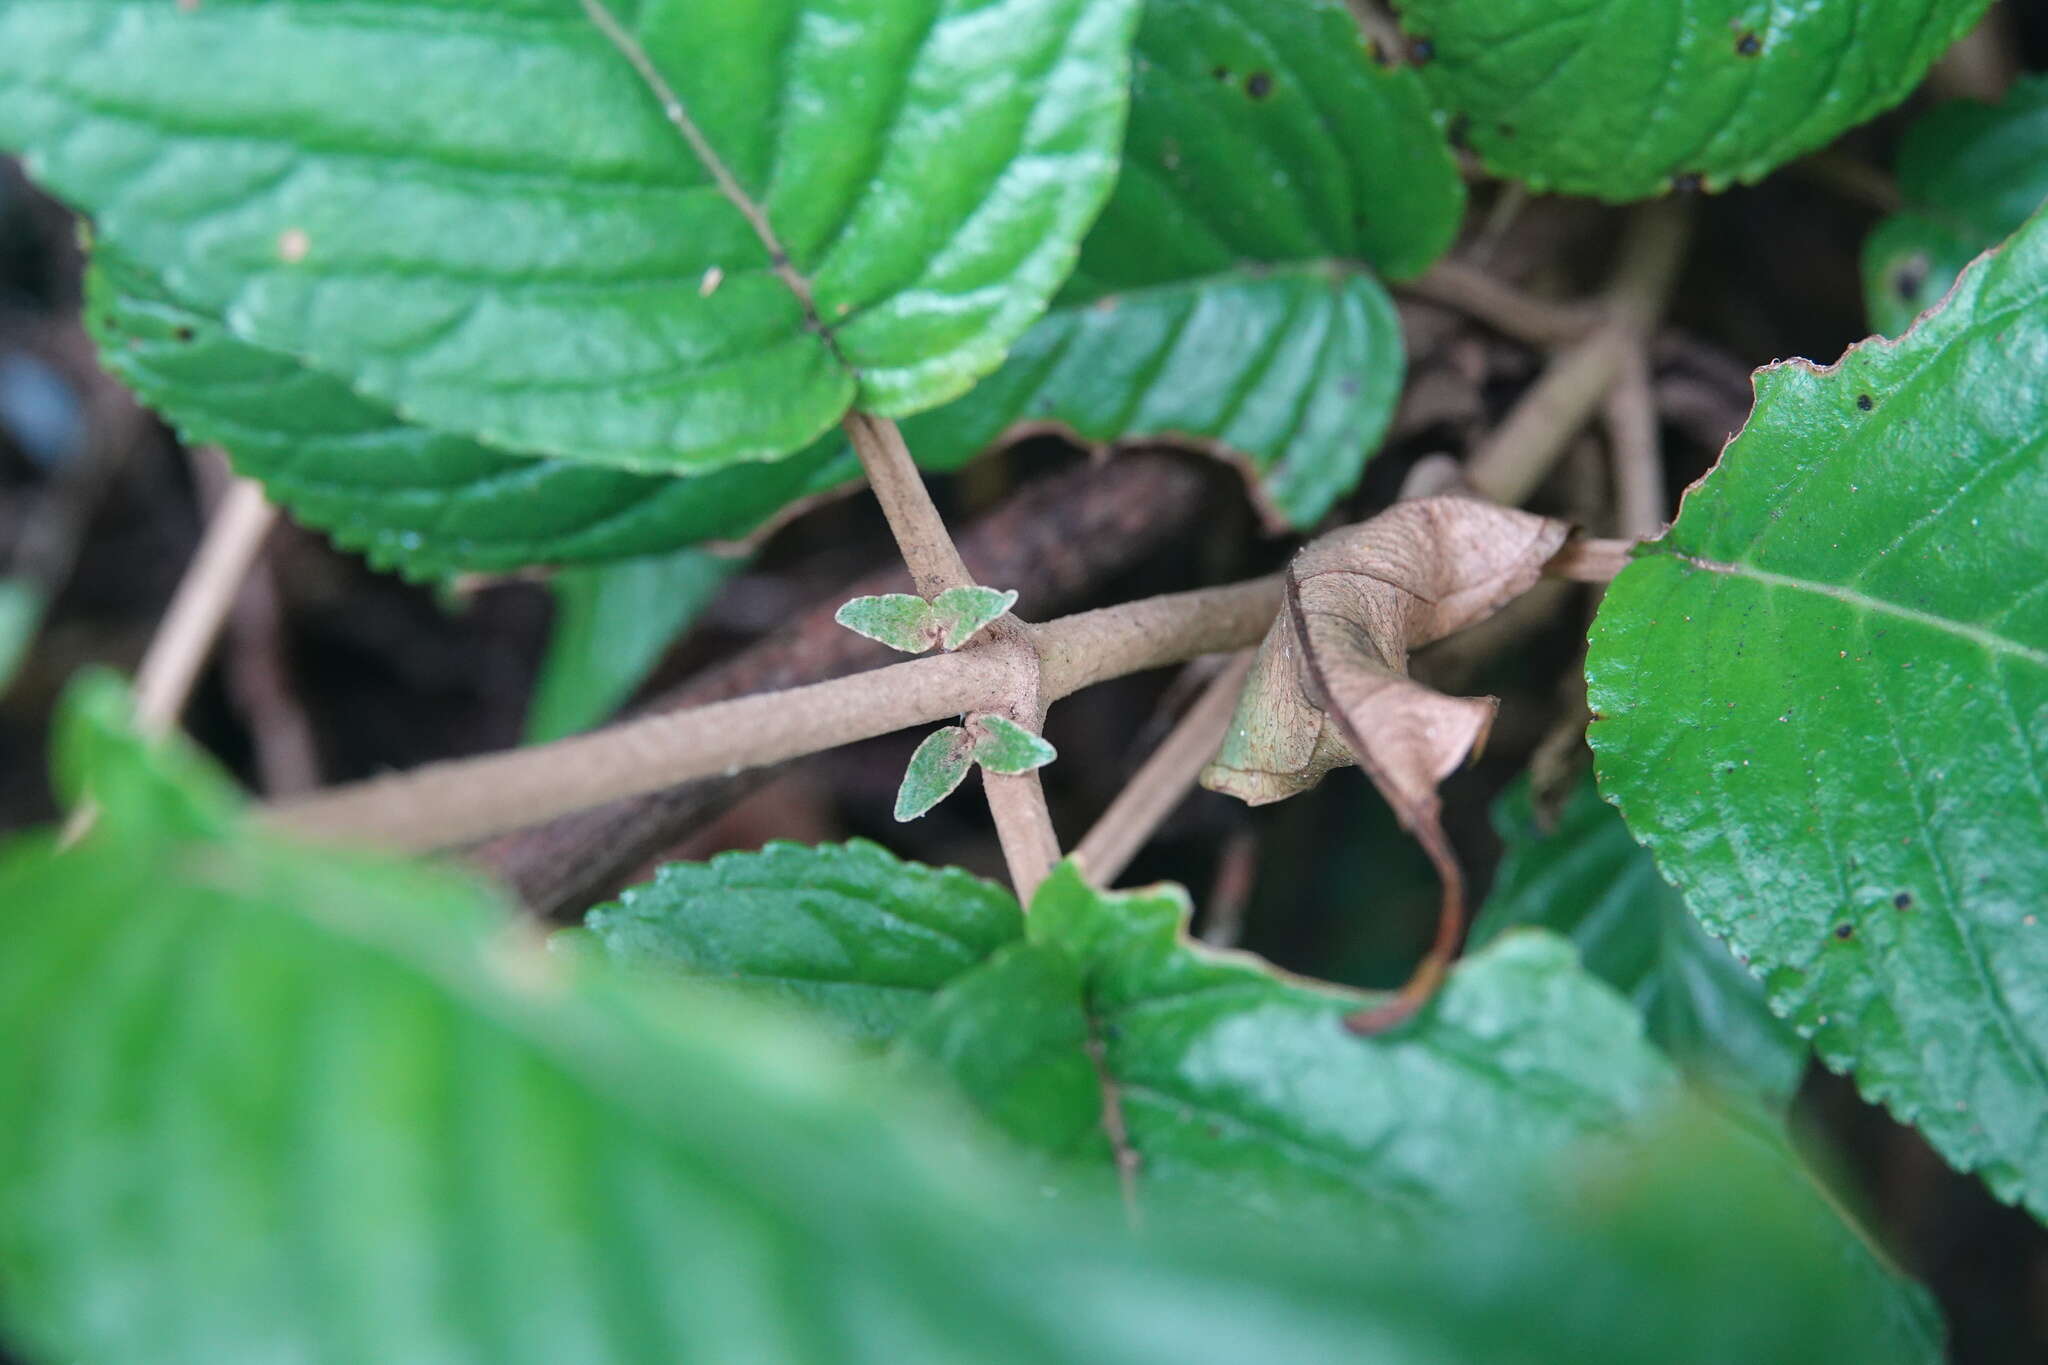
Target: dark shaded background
[386,675]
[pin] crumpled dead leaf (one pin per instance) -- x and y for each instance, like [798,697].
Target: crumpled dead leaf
[1331,683]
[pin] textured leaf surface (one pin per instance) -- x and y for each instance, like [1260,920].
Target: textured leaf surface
[1003,746]
[408,497]
[1624,99]
[906,622]
[1264,130]
[613,622]
[1587,879]
[1823,704]
[662,237]
[847,929]
[1970,175]
[265,1103]
[937,768]
[1241,1087]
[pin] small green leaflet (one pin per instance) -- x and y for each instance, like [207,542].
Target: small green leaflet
[1003,746]
[936,770]
[914,626]
[1823,704]
[1631,99]
[1970,174]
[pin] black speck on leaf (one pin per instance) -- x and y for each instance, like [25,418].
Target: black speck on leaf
[1865,402]
[1748,45]
[1258,85]
[1912,275]
[1845,930]
[1221,73]
[183,334]
[1904,900]
[1420,50]
[1505,129]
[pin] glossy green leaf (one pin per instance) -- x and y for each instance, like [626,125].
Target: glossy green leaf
[1291,373]
[1970,174]
[847,929]
[613,622]
[937,768]
[423,502]
[658,236]
[1265,130]
[1242,1087]
[1627,100]
[1823,704]
[1003,746]
[282,1104]
[1584,877]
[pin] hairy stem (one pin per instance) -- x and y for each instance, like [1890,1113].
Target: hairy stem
[1165,779]
[448,804]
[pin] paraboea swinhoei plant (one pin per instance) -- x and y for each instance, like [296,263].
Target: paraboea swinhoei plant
[1296,386]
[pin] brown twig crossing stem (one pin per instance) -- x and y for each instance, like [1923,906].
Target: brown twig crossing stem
[1016,802]
[449,804]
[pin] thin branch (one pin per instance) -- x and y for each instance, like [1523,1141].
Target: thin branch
[1630,413]
[1509,465]
[1165,779]
[205,595]
[1487,299]
[934,562]
[459,802]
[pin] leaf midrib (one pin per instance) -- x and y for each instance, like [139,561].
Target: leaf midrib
[1989,640]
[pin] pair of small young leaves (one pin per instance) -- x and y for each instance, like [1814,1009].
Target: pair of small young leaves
[265,1100]
[1970,175]
[455,344]
[1235,1086]
[940,764]
[1633,98]
[1822,701]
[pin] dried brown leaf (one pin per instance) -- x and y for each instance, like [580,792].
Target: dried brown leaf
[1331,683]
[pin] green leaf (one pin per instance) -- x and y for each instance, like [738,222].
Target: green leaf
[1626,100]
[900,620]
[666,214]
[937,768]
[846,929]
[1291,373]
[267,1102]
[908,623]
[613,622]
[1970,174]
[1003,746]
[960,614]
[1823,704]
[1587,879]
[1265,130]
[423,502]
[1242,1087]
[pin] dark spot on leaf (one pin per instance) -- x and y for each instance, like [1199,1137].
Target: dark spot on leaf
[1865,402]
[1749,45]
[1904,900]
[183,334]
[1421,50]
[1258,85]
[1348,386]
[1845,930]
[1505,129]
[1912,276]
[1221,73]
[1459,130]
[1691,182]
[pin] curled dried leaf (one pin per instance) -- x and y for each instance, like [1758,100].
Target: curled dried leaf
[1331,684]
